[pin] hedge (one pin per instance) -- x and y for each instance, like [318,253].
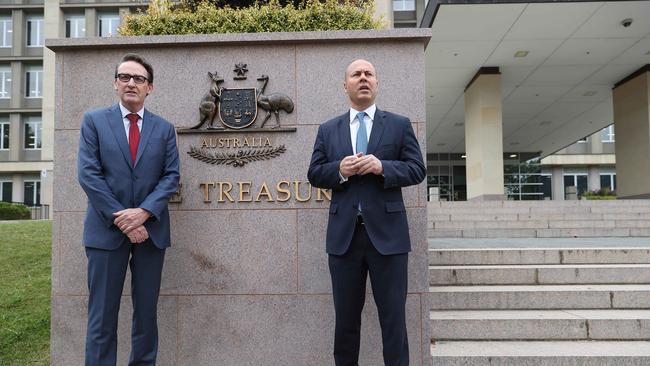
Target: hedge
[11,211]
[163,18]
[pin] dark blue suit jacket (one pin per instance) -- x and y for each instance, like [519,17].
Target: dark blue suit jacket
[392,141]
[112,183]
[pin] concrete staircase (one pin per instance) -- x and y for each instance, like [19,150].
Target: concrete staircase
[539,219]
[540,301]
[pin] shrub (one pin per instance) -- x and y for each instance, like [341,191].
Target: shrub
[163,18]
[601,194]
[11,211]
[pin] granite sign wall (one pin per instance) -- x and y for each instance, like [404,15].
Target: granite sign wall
[245,281]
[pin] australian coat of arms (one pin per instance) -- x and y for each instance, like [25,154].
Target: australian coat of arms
[236,108]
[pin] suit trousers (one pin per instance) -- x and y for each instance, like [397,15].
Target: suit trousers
[106,273]
[388,277]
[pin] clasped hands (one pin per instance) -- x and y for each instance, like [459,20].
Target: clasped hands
[131,221]
[360,164]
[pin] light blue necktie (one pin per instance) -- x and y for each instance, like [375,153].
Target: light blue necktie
[362,135]
[362,142]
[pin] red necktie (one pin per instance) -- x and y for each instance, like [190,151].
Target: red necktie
[134,135]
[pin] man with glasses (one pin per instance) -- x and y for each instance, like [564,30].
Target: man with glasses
[128,167]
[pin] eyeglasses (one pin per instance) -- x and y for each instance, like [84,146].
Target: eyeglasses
[125,78]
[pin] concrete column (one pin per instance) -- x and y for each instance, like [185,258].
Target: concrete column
[596,143]
[18,40]
[557,180]
[631,98]
[17,84]
[18,189]
[384,8]
[91,22]
[484,136]
[52,19]
[593,178]
[15,137]
[47,188]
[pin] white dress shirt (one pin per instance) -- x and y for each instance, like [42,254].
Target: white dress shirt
[126,121]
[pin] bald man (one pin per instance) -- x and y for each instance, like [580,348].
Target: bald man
[366,156]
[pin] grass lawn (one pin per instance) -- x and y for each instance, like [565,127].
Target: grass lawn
[25,286]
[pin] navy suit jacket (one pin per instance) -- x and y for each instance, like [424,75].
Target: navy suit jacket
[112,182]
[392,141]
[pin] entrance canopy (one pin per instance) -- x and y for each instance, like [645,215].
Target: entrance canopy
[558,61]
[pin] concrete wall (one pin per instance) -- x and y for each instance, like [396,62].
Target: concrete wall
[245,283]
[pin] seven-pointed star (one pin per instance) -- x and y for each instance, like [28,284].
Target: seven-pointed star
[241,69]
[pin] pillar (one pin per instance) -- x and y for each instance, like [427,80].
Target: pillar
[484,136]
[557,180]
[631,98]
[593,178]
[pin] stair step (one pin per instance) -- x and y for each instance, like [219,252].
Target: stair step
[466,224]
[540,274]
[540,325]
[539,297]
[539,243]
[539,256]
[557,215]
[540,233]
[541,353]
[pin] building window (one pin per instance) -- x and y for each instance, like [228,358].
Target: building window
[32,193]
[34,82]
[75,26]
[582,140]
[5,82]
[608,180]
[35,32]
[576,180]
[108,24]
[608,133]
[33,128]
[6,32]
[4,135]
[6,188]
[403,5]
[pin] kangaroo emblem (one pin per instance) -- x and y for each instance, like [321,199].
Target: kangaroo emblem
[208,104]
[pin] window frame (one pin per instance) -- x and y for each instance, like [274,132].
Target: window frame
[6,32]
[36,197]
[108,17]
[39,82]
[38,134]
[71,20]
[403,3]
[5,125]
[2,193]
[39,31]
[5,82]
[608,134]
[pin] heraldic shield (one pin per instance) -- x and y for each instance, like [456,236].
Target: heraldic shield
[238,107]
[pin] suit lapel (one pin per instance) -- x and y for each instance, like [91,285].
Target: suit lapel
[377,130]
[344,134]
[114,116]
[148,125]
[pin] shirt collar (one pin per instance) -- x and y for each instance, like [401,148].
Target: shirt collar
[370,111]
[126,111]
